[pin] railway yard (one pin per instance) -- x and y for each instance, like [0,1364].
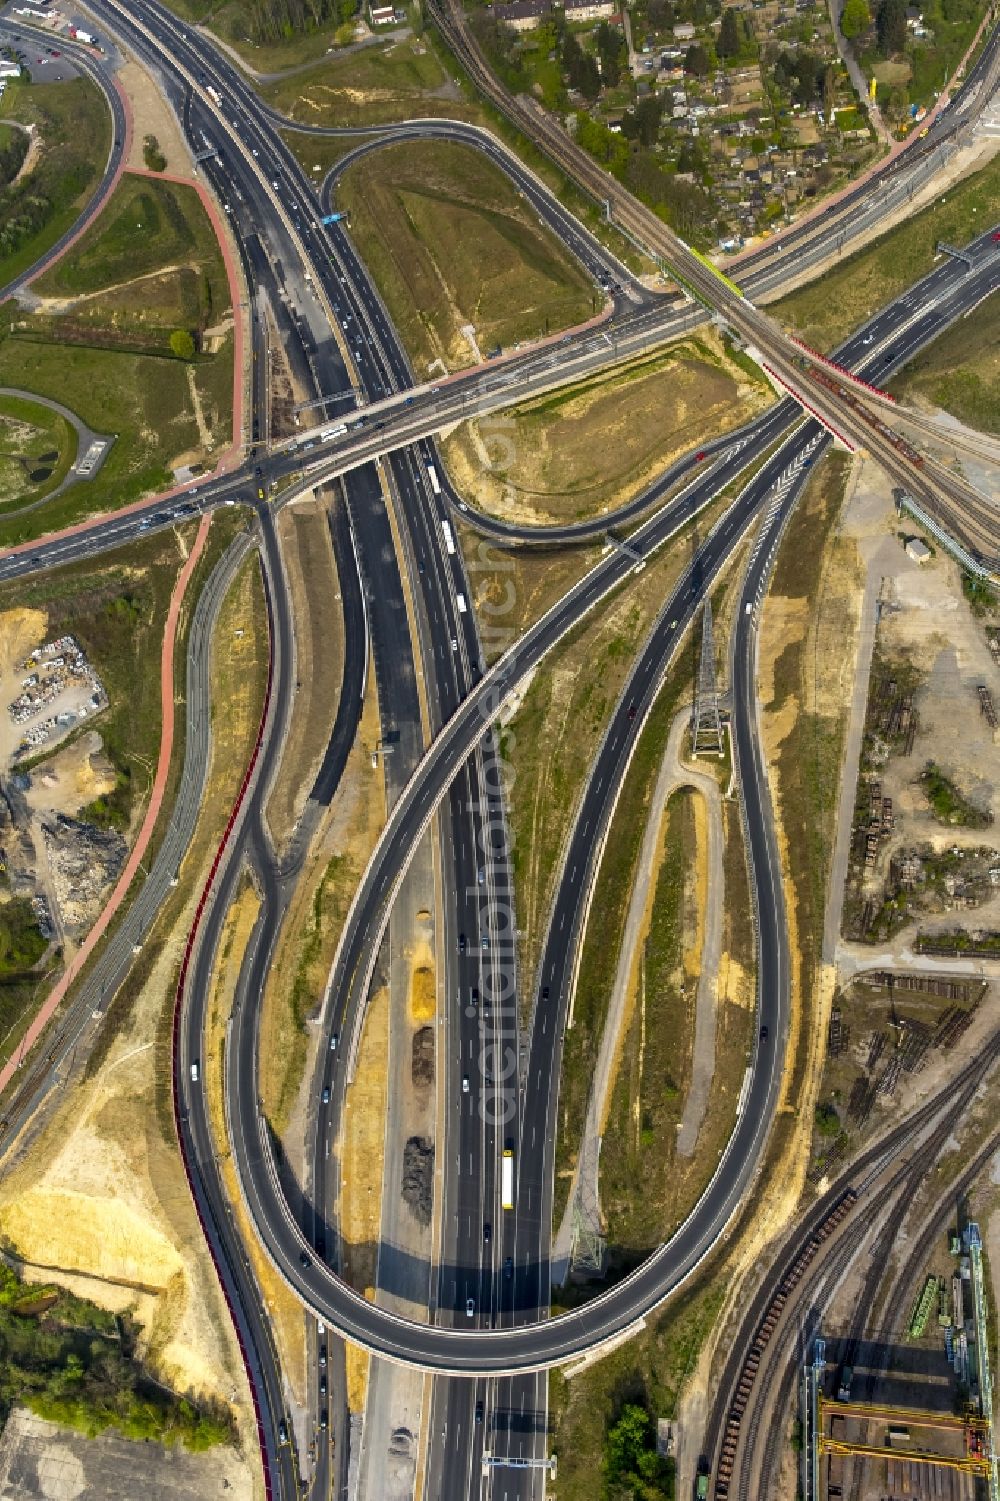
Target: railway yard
[864,1334]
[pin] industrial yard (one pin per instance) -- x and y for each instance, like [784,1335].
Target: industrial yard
[924,860]
[58,691]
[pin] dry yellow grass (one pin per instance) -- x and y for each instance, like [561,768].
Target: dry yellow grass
[287,1318]
[319,653]
[575,452]
[696,888]
[309,937]
[358,1363]
[423,985]
[362,1148]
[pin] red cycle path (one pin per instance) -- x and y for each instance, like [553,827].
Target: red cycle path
[233,452]
[49,1006]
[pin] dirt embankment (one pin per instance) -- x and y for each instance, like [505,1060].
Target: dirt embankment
[100,1194]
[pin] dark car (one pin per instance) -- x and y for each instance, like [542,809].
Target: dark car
[322,1356]
[461,943]
[320,1246]
[545,992]
[324,1420]
[479,1412]
[763,1034]
[487,1232]
[304,1259]
[508,1267]
[631,711]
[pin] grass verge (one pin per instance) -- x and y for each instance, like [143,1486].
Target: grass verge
[960,371]
[73,124]
[399,79]
[452,244]
[150,262]
[149,265]
[551,739]
[312,928]
[827,310]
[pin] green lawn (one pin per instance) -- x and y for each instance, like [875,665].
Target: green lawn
[37,447]
[317,154]
[450,242]
[73,123]
[144,399]
[824,312]
[108,357]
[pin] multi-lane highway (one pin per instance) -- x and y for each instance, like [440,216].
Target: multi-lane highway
[336,292]
[507,1349]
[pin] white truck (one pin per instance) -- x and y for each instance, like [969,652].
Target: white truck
[507,1178]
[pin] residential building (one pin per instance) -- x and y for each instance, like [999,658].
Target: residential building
[523,15]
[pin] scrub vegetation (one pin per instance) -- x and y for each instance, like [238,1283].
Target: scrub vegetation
[826,311]
[74,1363]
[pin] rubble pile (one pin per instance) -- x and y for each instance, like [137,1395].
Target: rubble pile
[84,861]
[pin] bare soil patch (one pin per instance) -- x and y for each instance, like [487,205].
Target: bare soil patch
[152,116]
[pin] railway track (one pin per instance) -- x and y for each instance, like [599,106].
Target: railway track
[953,504]
[898,1293]
[725,1429]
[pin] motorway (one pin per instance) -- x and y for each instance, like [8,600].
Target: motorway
[440,596]
[504,1350]
[797,369]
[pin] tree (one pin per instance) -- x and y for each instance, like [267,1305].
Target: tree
[182,344]
[898,106]
[854,18]
[696,60]
[632,1466]
[661,15]
[890,26]
[581,69]
[611,51]
[829,90]
[728,44]
[643,123]
[152,155]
